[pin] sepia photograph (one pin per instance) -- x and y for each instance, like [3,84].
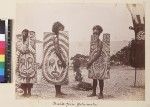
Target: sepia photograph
[80,51]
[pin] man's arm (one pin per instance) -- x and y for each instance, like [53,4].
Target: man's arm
[58,53]
[95,57]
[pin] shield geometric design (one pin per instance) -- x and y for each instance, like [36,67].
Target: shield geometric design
[26,69]
[140,35]
[138,17]
[52,70]
[101,67]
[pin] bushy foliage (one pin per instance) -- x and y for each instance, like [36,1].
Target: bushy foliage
[132,55]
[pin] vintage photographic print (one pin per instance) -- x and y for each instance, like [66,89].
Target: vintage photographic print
[80,51]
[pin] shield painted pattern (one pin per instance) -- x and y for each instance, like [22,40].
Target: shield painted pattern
[52,71]
[101,67]
[26,59]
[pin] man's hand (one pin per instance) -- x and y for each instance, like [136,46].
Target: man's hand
[61,59]
[63,64]
[88,65]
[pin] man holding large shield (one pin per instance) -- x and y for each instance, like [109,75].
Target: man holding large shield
[56,57]
[26,62]
[98,65]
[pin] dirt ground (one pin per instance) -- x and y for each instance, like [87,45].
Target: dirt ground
[118,87]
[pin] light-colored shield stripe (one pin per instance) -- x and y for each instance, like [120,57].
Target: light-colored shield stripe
[48,48]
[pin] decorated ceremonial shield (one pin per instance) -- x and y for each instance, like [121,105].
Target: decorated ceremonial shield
[101,67]
[53,72]
[138,18]
[26,67]
[137,52]
[26,59]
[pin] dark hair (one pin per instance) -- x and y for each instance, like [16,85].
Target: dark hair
[25,30]
[98,27]
[26,35]
[57,26]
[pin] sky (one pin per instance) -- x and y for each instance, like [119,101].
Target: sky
[78,20]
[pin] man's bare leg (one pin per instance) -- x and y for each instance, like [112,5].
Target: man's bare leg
[94,88]
[101,86]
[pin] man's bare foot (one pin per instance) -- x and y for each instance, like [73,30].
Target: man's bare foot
[92,95]
[61,93]
[100,96]
[59,96]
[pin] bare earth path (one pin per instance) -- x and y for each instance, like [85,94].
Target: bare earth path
[118,87]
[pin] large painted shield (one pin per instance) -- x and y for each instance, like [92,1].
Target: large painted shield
[52,70]
[101,67]
[26,59]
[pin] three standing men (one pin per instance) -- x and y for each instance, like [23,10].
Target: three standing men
[56,59]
